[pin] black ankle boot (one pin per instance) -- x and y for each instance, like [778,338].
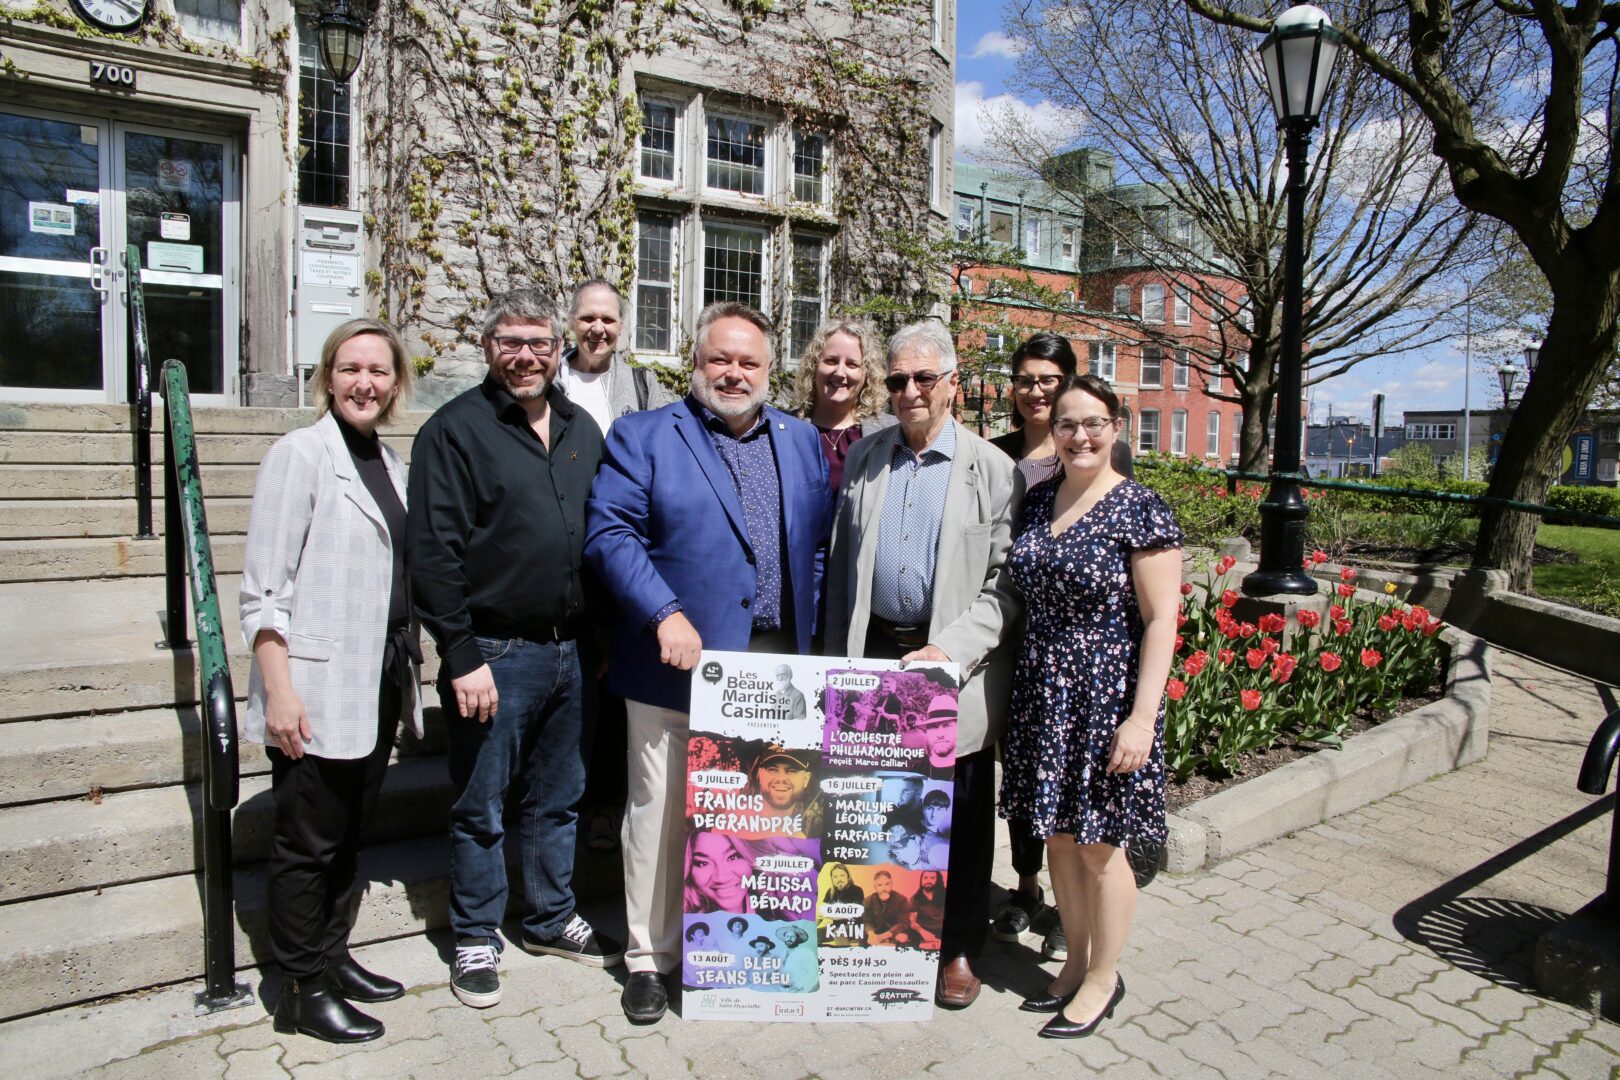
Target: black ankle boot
[354,982]
[312,1007]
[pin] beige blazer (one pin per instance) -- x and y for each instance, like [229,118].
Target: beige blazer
[318,570]
[976,612]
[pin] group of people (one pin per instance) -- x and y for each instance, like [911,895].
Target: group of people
[566,519]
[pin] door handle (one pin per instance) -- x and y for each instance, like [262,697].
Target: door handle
[98,272]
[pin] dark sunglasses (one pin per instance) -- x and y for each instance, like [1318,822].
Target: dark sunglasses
[925,381]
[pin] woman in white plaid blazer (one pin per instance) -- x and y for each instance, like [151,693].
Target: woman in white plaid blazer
[326,611]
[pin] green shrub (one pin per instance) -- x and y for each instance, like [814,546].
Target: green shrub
[1198,497]
[1587,500]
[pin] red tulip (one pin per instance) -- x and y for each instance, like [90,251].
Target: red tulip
[1432,627]
[1318,556]
[1246,629]
[1342,626]
[1176,689]
[1186,588]
[1229,598]
[1386,623]
[1226,656]
[1309,618]
[1269,645]
[1179,643]
[1347,591]
[1330,661]
[1251,699]
[1371,658]
[1257,659]
[1335,612]
[1226,563]
[1282,667]
[1347,573]
[1273,623]
[1195,663]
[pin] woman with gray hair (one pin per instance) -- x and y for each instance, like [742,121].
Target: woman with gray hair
[840,389]
[326,610]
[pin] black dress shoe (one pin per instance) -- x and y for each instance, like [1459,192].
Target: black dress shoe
[644,999]
[311,1007]
[1061,1027]
[354,982]
[1047,1003]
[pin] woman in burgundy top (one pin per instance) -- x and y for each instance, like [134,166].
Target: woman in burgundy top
[840,386]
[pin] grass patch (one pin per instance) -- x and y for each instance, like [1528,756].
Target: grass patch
[1592,583]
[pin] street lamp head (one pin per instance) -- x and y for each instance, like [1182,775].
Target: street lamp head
[1299,55]
[1507,374]
[342,28]
[1532,353]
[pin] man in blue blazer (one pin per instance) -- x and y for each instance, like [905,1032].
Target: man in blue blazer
[708,524]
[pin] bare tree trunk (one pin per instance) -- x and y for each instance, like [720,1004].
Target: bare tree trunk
[1583,324]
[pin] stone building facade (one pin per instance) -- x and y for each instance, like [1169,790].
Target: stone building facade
[779,153]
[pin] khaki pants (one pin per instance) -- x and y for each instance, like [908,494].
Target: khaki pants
[654,837]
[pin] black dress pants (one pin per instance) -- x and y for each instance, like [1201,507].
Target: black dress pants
[322,808]
[973,836]
[1028,850]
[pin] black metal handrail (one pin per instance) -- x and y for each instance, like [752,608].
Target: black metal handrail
[1232,476]
[140,401]
[189,554]
[1594,780]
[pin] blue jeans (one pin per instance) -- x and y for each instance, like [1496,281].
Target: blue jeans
[535,740]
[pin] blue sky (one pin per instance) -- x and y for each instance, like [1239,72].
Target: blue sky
[986,60]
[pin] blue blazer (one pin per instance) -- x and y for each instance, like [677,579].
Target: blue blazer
[664,523]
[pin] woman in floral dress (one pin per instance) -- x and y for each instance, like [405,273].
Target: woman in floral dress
[1097,559]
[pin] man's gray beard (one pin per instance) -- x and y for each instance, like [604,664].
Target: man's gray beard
[527,393]
[703,390]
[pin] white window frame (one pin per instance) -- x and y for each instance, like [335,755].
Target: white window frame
[637,309]
[1147,420]
[1032,238]
[1183,305]
[1178,432]
[966,231]
[1237,440]
[1180,370]
[1068,244]
[995,341]
[1183,228]
[1212,434]
[679,111]
[767,179]
[1142,374]
[1123,300]
[707,224]
[796,347]
[936,163]
[1212,380]
[1105,360]
[1012,224]
[1153,303]
[826,178]
[967,285]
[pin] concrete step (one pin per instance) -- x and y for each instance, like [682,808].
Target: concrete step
[206,421]
[70,845]
[59,950]
[68,757]
[112,481]
[103,557]
[97,448]
[79,647]
[62,519]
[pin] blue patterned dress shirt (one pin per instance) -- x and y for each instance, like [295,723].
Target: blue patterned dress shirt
[908,534]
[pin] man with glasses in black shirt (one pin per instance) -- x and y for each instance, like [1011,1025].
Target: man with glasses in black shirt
[499,478]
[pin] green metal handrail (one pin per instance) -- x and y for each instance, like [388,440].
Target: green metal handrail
[189,554]
[1580,517]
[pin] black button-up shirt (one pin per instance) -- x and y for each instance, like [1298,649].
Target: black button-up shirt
[497,523]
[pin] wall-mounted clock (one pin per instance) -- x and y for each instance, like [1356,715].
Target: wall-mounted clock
[115,15]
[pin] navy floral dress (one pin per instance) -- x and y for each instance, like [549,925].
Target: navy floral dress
[1076,675]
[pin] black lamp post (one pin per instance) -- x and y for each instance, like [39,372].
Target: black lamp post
[341,26]
[1298,55]
[1507,375]
[1532,353]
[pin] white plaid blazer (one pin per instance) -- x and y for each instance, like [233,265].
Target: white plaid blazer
[318,570]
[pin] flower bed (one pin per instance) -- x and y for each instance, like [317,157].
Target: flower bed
[1238,687]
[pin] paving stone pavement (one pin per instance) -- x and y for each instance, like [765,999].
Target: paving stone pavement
[1392,942]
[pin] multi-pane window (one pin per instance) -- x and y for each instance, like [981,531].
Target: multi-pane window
[655,282]
[1032,238]
[967,221]
[809,167]
[1001,226]
[1153,303]
[1183,305]
[1237,441]
[1212,442]
[809,302]
[1068,245]
[1180,370]
[936,162]
[324,112]
[1178,432]
[1431,431]
[1122,299]
[657,141]
[1212,381]
[1152,366]
[1147,431]
[1183,227]
[1102,360]
[216,20]
[995,342]
[733,264]
[735,155]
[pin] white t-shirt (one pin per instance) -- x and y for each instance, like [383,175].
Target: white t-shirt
[588,390]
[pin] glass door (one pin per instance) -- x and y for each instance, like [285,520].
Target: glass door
[175,201]
[58,318]
[73,193]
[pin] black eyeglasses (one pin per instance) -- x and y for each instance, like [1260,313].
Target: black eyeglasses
[1025,383]
[925,380]
[1094,425]
[539,346]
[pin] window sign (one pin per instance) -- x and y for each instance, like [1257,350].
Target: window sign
[186,258]
[53,218]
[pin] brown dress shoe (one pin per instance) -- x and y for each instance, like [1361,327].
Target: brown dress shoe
[958,986]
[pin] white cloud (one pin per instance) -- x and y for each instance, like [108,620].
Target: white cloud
[995,43]
[977,115]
